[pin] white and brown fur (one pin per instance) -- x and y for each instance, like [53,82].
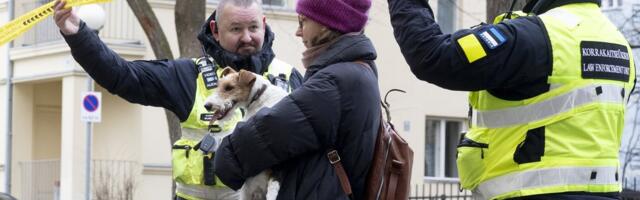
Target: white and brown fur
[239,90]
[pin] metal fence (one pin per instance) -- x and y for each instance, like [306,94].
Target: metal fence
[39,179]
[114,179]
[631,184]
[440,190]
[111,179]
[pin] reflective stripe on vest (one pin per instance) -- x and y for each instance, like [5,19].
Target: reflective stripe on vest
[193,134]
[202,192]
[556,105]
[547,177]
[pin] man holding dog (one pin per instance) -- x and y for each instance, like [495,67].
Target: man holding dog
[548,96]
[235,35]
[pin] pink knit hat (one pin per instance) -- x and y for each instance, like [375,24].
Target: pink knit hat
[342,15]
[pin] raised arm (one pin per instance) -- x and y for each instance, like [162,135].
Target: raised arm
[486,57]
[168,84]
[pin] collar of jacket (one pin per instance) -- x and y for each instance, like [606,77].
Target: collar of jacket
[257,63]
[347,48]
[542,6]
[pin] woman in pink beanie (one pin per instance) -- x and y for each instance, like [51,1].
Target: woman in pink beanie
[337,108]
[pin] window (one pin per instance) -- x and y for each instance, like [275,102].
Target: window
[273,2]
[446,15]
[442,136]
[612,3]
[264,2]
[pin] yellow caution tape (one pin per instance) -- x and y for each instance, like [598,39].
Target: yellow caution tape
[25,22]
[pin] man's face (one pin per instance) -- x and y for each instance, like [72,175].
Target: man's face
[240,30]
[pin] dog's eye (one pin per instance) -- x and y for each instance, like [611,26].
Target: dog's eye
[228,88]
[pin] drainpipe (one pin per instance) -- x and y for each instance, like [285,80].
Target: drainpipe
[9,111]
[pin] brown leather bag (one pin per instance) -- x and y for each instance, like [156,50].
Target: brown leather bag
[390,173]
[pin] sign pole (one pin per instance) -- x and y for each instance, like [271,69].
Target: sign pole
[8,140]
[89,127]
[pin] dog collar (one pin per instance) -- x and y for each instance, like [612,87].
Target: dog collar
[258,94]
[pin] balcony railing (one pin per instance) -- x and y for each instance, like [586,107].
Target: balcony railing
[440,190]
[120,25]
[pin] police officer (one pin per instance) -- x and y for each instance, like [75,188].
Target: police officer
[548,96]
[236,36]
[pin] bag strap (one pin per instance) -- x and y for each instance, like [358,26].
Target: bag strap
[334,159]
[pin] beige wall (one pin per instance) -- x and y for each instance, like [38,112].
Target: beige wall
[47,120]
[22,131]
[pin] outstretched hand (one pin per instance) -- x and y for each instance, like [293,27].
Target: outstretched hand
[66,19]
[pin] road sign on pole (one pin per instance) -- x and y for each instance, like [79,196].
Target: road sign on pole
[91,107]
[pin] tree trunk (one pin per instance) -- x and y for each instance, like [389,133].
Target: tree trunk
[161,50]
[497,7]
[189,16]
[152,29]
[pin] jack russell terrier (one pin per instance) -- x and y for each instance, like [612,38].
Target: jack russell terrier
[250,92]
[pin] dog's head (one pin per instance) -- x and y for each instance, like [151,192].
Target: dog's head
[234,89]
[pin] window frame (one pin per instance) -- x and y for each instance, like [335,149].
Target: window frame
[440,149]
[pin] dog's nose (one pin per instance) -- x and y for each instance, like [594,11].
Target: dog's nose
[208,106]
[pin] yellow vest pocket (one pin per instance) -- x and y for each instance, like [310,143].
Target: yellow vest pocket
[187,163]
[470,162]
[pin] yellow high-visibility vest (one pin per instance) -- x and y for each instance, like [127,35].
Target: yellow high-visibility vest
[566,139]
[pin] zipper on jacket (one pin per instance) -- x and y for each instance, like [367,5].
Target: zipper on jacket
[185,147]
[466,142]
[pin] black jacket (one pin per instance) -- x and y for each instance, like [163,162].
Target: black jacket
[515,70]
[170,84]
[337,106]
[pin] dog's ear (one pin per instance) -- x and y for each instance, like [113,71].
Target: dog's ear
[227,70]
[246,77]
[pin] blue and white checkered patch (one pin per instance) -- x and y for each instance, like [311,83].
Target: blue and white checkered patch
[492,37]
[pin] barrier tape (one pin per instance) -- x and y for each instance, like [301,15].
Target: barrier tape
[25,22]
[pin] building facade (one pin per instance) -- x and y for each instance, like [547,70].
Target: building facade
[131,144]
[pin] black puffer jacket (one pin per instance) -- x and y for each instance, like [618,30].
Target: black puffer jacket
[337,106]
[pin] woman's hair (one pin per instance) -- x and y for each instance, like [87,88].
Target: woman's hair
[326,36]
